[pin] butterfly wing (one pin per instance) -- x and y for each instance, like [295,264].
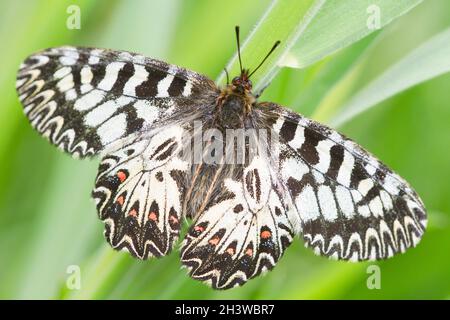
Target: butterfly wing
[241,221]
[131,109]
[85,100]
[243,233]
[351,206]
[139,190]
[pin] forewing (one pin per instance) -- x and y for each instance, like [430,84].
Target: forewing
[83,100]
[242,232]
[351,206]
[139,190]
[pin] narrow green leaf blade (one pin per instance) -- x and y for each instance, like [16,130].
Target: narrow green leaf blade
[285,21]
[338,24]
[429,60]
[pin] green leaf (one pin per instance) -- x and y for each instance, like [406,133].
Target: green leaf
[429,60]
[338,24]
[285,21]
[311,30]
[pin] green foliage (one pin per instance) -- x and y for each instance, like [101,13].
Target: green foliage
[48,223]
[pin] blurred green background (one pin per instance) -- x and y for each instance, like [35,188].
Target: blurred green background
[48,222]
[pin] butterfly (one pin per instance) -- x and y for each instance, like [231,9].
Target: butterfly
[142,115]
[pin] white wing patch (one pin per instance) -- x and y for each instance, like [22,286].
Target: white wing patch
[89,100]
[307,205]
[140,75]
[112,129]
[111,73]
[105,110]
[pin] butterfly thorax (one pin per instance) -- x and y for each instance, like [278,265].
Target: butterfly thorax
[235,102]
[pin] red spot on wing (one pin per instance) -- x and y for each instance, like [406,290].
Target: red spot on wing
[230,251]
[249,252]
[266,234]
[132,213]
[120,200]
[152,216]
[173,219]
[214,241]
[122,176]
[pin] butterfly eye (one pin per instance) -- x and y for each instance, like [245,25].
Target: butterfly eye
[236,80]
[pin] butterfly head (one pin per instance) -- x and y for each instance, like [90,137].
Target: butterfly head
[242,83]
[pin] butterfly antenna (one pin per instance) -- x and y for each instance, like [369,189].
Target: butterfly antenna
[236,28]
[265,58]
